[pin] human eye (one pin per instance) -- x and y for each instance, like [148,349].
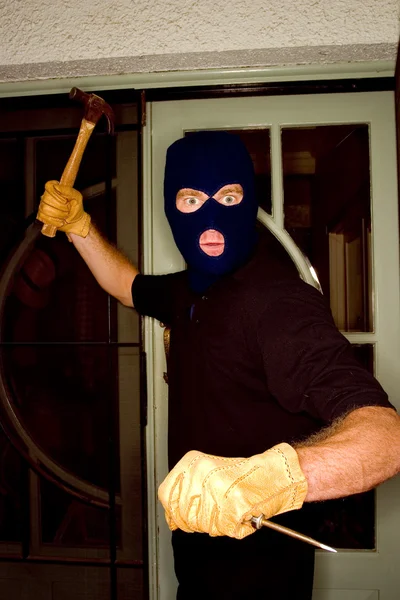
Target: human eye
[188,200]
[228,200]
[229,195]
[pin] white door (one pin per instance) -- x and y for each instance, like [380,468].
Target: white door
[358,253]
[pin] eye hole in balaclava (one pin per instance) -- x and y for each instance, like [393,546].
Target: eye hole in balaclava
[207,161]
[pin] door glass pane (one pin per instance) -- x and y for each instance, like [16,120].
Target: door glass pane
[71,394]
[326,180]
[54,296]
[258,144]
[62,396]
[11,191]
[364,353]
[66,522]
[67,399]
[349,522]
[14,484]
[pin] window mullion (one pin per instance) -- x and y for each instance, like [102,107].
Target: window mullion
[277,175]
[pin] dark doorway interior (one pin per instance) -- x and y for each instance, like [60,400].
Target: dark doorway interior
[72,484]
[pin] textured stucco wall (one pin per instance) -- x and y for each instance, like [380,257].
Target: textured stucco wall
[60,31]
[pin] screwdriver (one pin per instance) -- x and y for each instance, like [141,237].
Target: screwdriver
[261,521]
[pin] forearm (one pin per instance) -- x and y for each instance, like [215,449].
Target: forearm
[353,456]
[112,270]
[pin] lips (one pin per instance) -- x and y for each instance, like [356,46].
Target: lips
[212,242]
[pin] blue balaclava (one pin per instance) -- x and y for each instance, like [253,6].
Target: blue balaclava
[207,161]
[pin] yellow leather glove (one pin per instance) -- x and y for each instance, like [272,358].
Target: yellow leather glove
[62,206]
[217,495]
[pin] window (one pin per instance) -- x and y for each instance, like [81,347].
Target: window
[71,362]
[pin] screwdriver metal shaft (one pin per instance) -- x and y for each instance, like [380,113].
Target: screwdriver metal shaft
[261,521]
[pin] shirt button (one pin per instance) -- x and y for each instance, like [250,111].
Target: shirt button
[204,298]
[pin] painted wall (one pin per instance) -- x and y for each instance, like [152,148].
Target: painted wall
[60,31]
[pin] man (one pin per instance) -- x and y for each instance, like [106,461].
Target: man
[267,407]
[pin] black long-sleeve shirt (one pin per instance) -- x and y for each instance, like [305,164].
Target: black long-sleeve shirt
[255,361]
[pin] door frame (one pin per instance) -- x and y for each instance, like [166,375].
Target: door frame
[159,259]
[231,76]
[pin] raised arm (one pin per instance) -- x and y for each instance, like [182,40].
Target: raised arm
[62,207]
[111,268]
